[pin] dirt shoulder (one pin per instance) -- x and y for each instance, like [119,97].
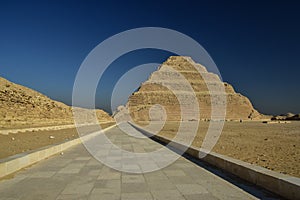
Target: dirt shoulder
[273,146]
[21,142]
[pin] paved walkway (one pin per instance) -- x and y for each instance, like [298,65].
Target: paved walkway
[77,175]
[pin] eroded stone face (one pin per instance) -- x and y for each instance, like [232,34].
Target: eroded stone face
[153,92]
[21,106]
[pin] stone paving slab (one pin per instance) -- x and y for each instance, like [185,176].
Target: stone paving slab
[77,175]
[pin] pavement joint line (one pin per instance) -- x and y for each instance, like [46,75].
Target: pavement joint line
[17,162]
[196,182]
[280,184]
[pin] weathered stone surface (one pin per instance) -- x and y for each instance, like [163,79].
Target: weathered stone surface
[295,117]
[78,175]
[21,106]
[154,91]
[287,116]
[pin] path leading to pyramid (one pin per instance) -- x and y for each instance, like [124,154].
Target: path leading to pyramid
[77,175]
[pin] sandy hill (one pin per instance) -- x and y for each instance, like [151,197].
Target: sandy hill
[152,92]
[24,107]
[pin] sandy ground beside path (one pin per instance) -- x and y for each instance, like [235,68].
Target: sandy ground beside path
[21,142]
[273,146]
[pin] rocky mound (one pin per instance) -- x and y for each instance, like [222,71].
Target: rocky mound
[24,107]
[287,116]
[153,92]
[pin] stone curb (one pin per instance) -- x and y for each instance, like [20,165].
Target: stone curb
[283,185]
[16,162]
[44,128]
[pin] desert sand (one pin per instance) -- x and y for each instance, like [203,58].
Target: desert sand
[273,146]
[16,143]
[22,107]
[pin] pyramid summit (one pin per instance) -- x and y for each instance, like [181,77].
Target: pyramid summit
[154,92]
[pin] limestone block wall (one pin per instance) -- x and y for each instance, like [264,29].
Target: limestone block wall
[154,91]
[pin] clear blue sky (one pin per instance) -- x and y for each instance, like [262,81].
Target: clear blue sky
[256,45]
